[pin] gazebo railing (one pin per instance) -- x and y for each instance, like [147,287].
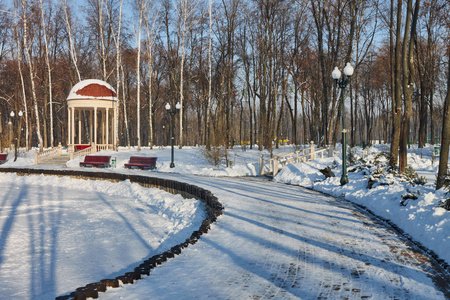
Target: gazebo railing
[91,150]
[86,151]
[101,147]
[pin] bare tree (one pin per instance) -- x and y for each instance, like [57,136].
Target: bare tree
[117,41]
[102,52]
[26,45]
[443,158]
[49,72]
[408,77]
[208,106]
[18,51]
[141,7]
[151,26]
[186,21]
[102,28]
[396,82]
[72,50]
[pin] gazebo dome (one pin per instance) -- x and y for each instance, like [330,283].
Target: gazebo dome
[92,89]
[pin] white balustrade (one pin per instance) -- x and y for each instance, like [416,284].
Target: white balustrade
[303,155]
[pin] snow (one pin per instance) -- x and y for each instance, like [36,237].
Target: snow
[84,83]
[58,233]
[47,220]
[421,218]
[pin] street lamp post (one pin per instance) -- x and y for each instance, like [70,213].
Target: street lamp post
[172,113]
[342,82]
[10,134]
[15,120]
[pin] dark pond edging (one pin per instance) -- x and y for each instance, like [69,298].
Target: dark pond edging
[213,209]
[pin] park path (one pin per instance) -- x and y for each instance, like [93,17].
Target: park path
[277,241]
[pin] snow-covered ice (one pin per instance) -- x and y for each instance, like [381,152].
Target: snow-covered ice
[61,233]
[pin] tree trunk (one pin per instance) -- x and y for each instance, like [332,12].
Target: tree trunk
[24,96]
[423,118]
[408,79]
[445,143]
[432,130]
[118,64]
[32,75]
[49,75]
[397,98]
[208,106]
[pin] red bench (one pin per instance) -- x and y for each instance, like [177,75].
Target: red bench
[3,157]
[96,161]
[141,162]
[81,147]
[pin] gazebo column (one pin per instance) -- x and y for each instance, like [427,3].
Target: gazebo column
[79,126]
[72,124]
[95,126]
[68,127]
[116,129]
[103,126]
[91,126]
[107,126]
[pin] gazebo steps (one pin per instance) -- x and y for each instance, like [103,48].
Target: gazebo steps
[57,160]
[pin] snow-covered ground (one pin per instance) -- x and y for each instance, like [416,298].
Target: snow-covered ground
[52,226]
[189,160]
[421,218]
[60,233]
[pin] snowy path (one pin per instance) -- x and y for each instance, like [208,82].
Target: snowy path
[279,241]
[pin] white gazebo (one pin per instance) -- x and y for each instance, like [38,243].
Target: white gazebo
[92,116]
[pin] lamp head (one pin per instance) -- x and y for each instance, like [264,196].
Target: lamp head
[348,70]
[20,113]
[168,106]
[12,114]
[336,74]
[178,105]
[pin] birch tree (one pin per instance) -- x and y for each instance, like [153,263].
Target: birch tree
[186,21]
[102,31]
[117,41]
[18,51]
[141,7]
[102,51]
[151,27]
[125,114]
[32,71]
[49,71]
[70,39]
[117,38]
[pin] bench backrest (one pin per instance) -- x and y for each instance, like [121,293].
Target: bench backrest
[142,160]
[97,158]
[3,156]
